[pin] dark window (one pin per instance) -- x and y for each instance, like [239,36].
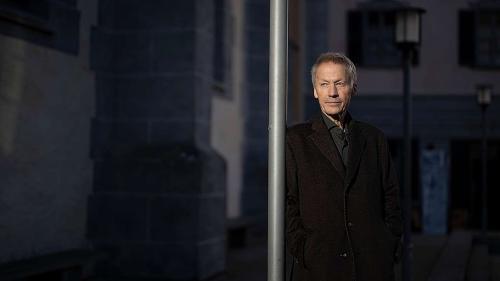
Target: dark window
[370,35]
[49,23]
[479,37]
[355,37]
[380,49]
[219,45]
[28,8]
[223,40]
[31,14]
[488,38]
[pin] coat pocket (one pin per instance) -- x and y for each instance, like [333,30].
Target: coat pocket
[310,250]
[305,251]
[392,240]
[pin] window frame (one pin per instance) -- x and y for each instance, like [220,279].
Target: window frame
[58,27]
[358,22]
[469,35]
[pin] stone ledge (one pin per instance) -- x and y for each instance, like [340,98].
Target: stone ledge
[68,264]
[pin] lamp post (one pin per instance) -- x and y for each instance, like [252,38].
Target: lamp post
[483,93]
[407,37]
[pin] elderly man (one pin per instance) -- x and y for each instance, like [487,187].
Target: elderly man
[342,203]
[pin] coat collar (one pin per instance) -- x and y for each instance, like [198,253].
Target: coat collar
[357,145]
[322,139]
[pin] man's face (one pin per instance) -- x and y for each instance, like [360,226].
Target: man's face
[332,89]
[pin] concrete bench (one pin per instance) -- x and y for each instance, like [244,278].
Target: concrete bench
[452,264]
[62,266]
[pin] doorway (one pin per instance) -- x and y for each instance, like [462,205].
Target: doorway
[465,184]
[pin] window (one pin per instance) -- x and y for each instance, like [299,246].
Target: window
[26,8]
[370,35]
[479,36]
[219,46]
[379,40]
[30,14]
[488,38]
[222,48]
[53,24]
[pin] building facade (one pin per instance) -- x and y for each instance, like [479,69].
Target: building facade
[139,128]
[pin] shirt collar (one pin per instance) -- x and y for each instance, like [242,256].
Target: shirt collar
[330,124]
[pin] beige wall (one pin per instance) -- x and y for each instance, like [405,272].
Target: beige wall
[46,104]
[227,116]
[438,72]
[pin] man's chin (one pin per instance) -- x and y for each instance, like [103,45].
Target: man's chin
[334,114]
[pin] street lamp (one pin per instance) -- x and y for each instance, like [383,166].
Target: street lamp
[483,93]
[407,38]
[408,26]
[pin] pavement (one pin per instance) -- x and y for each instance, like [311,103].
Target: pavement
[455,256]
[250,263]
[495,265]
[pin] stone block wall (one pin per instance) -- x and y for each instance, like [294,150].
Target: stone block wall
[158,204]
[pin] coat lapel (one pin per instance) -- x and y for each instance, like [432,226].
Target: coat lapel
[322,139]
[357,144]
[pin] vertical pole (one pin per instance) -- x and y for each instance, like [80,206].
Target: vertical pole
[278,54]
[484,178]
[407,120]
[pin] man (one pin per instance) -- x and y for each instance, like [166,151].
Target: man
[343,213]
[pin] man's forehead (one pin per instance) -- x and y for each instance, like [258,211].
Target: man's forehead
[331,64]
[325,68]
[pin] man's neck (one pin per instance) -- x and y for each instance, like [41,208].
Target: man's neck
[338,119]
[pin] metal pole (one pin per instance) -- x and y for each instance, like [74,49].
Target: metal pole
[407,117]
[484,178]
[278,54]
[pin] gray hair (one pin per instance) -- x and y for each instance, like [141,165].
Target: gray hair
[336,58]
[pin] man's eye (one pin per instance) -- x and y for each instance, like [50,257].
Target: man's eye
[324,84]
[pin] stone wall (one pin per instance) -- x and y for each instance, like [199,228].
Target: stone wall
[159,191]
[46,98]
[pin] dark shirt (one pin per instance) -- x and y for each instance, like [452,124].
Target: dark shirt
[339,137]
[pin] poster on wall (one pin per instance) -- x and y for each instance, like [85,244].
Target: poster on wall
[434,179]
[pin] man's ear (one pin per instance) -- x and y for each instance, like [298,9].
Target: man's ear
[315,94]
[354,89]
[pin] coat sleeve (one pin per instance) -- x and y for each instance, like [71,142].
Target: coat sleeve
[392,207]
[295,231]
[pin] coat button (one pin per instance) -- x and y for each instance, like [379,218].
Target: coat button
[344,255]
[349,224]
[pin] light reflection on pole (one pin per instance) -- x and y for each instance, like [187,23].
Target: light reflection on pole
[278,55]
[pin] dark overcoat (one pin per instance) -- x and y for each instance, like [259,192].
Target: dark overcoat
[342,223]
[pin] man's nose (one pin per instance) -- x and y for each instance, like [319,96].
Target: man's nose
[332,91]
